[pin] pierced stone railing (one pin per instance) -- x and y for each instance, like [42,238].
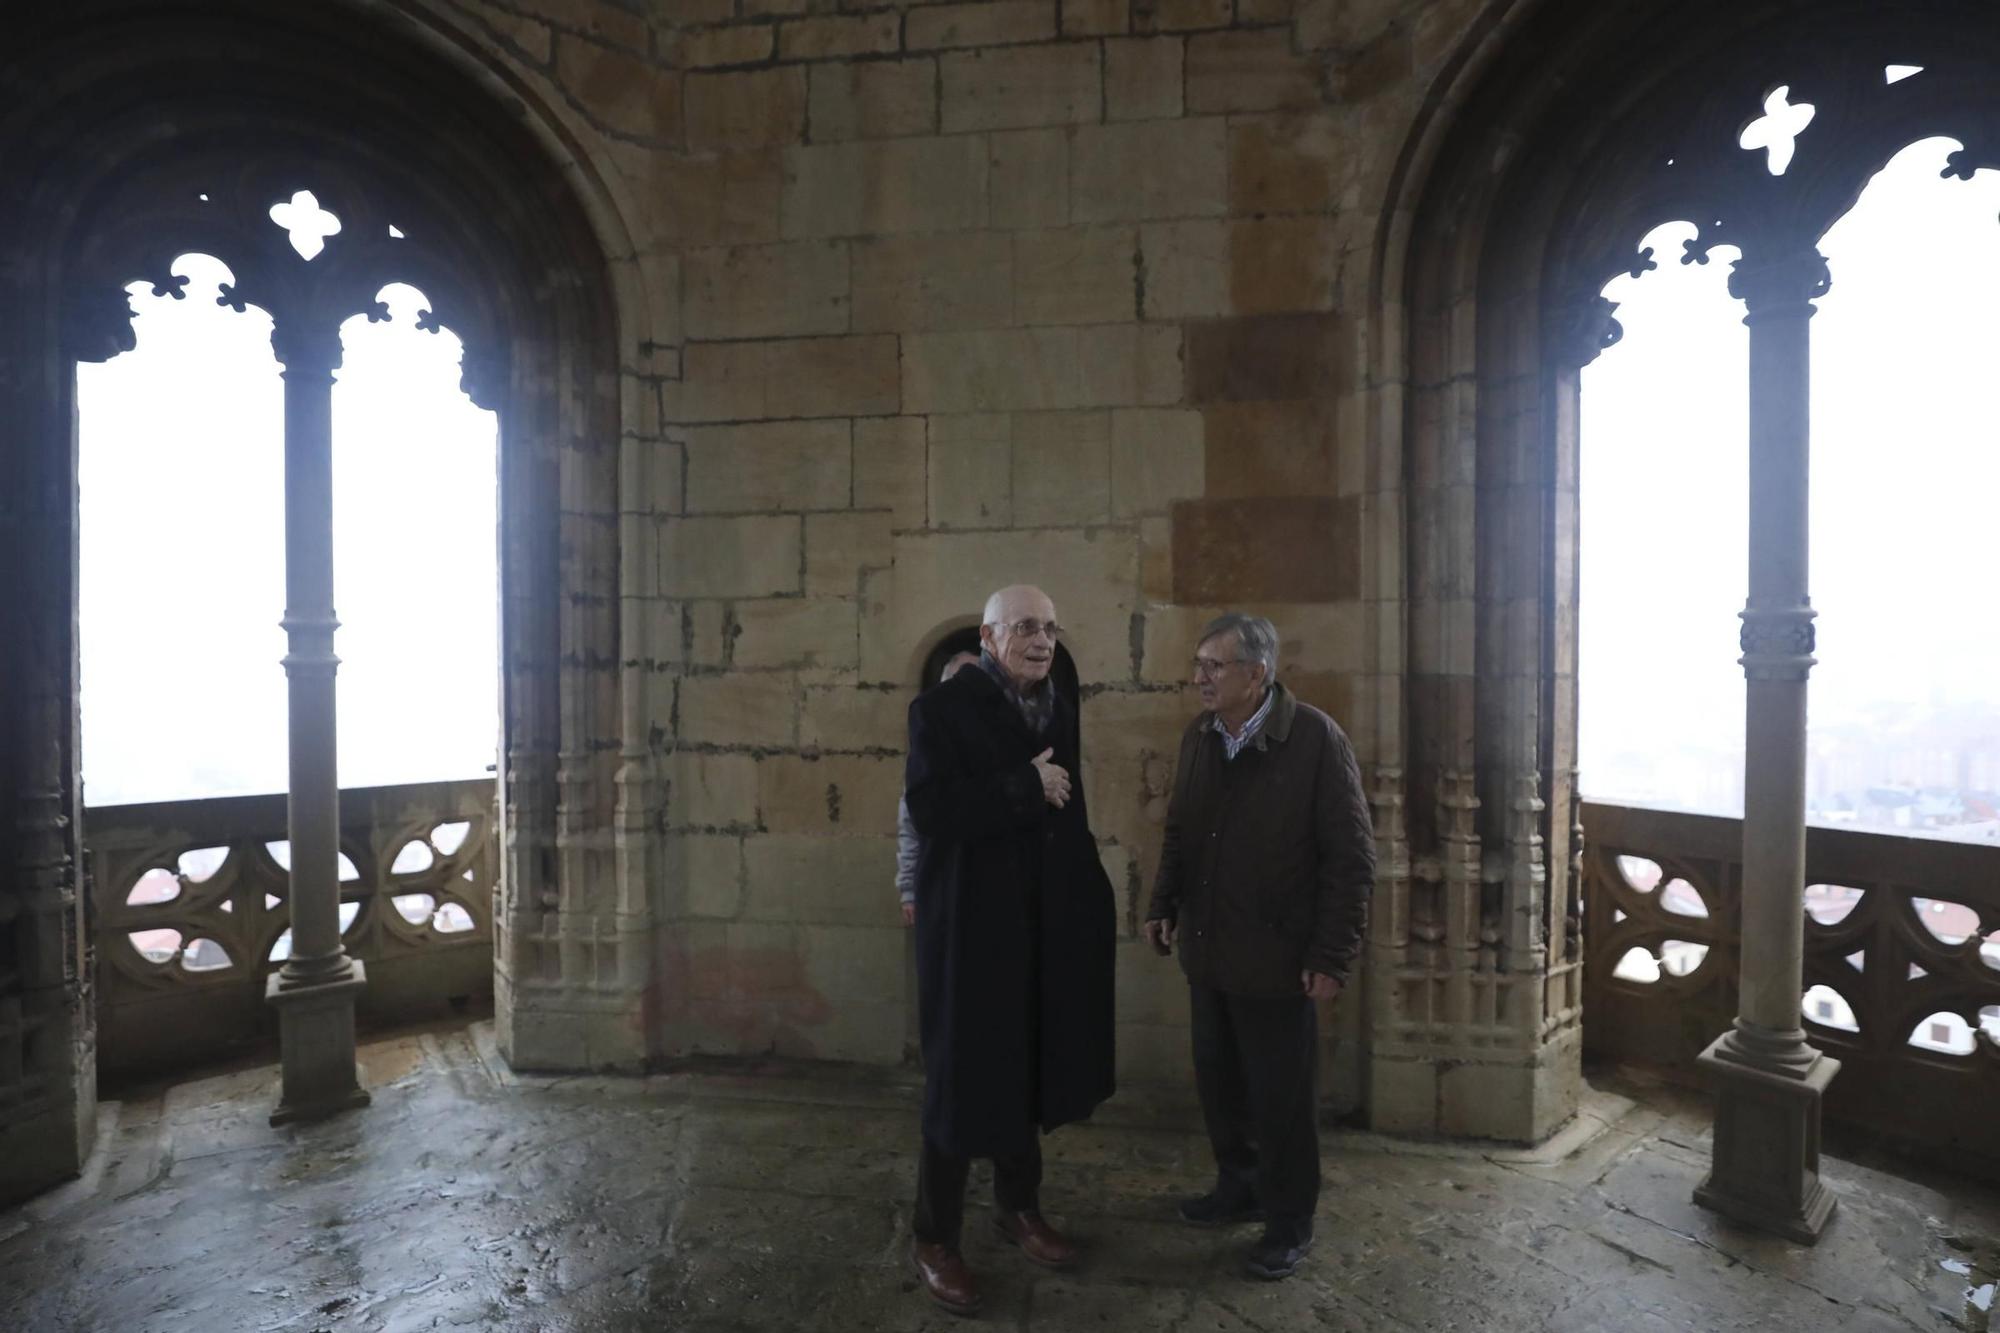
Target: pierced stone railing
[190,915]
[1902,965]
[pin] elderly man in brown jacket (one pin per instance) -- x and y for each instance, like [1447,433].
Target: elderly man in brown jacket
[1265,874]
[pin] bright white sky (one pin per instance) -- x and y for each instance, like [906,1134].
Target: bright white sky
[182,537]
[1906,483]
[182,476]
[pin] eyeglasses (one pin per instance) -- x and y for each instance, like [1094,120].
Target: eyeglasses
[1208,668]
[1028,629]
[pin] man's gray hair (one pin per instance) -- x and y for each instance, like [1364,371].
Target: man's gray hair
[1256,637]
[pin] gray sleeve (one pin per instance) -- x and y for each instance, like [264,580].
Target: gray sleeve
[909,845]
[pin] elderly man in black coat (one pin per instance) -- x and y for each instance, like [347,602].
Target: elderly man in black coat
[1015,929]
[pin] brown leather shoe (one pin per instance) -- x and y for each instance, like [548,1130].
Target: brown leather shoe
[946,1277]
[1037,1239]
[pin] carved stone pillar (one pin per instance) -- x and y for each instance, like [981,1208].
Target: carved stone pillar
[315,989]
[1769,1080]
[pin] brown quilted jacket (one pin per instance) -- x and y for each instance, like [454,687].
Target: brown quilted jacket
[1269,858]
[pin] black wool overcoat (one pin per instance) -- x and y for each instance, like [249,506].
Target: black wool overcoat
[1015,924]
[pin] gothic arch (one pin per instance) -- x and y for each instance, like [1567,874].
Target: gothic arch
[1556,137]
[116,118]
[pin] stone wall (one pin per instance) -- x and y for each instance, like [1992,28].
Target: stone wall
[943,296]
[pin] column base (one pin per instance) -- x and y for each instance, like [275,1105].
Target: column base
[316,1044]
[1765,1170]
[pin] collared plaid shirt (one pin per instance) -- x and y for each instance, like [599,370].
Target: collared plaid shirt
[1233,745]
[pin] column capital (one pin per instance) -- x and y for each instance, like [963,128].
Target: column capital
[305,345]
[1785,284]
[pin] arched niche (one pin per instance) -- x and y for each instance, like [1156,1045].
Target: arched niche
[116,117]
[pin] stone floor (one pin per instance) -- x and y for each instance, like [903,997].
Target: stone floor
[466,1197]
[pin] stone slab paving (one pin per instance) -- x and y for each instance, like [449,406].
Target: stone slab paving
[468,1197]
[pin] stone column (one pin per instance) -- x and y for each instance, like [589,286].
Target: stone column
[1770,1082]
[315,989]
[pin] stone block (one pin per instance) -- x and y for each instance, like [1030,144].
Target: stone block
[1095,18]
[1061,468]
[795,632]
[874,99]
[861,967]
[1367,73]
[1010,88]
[1230,72]
[1285,164]
[970,472]
[1331,694]
[840,546]
[706,200]
[621,91]
[1274,549]
[1328,638]
[602,20]
[1157,457]
[984,23]
[1270,448]
[739,709]
[1129,365]
[1142,78]
[666,479]
[1156,555]
[889,468]
[1281,264]
[1149,169]
[769,465]
[1075,275]
[1269,356]
[708,633]
[831,37]
[1402,1095]
[797,377]
[914,284]
[830,794]
[683,12]
[706,875]
[1029,178]
[705,48]
[822,881]
[755,556]
[1487,1101]
[663,636]
[711,791]
[532,41]
[1150,989]
[1154,1054]
[942,578]
[1182,15]
[1113,365]
[846,717]
[764,291]
[886,186]
[1187,269]
[747,109]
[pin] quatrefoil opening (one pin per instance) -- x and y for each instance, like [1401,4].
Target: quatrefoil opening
[307,223]
[1778,129]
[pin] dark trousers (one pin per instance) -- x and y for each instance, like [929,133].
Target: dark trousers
[1017,1184]
[1253,1065]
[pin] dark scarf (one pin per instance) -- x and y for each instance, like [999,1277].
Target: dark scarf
[1037,706]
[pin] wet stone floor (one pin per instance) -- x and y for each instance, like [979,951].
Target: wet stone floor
[469,1198]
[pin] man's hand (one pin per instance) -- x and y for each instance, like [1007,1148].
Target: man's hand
[1055,782]
[1319,986]
[909,914]
[1159,934]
